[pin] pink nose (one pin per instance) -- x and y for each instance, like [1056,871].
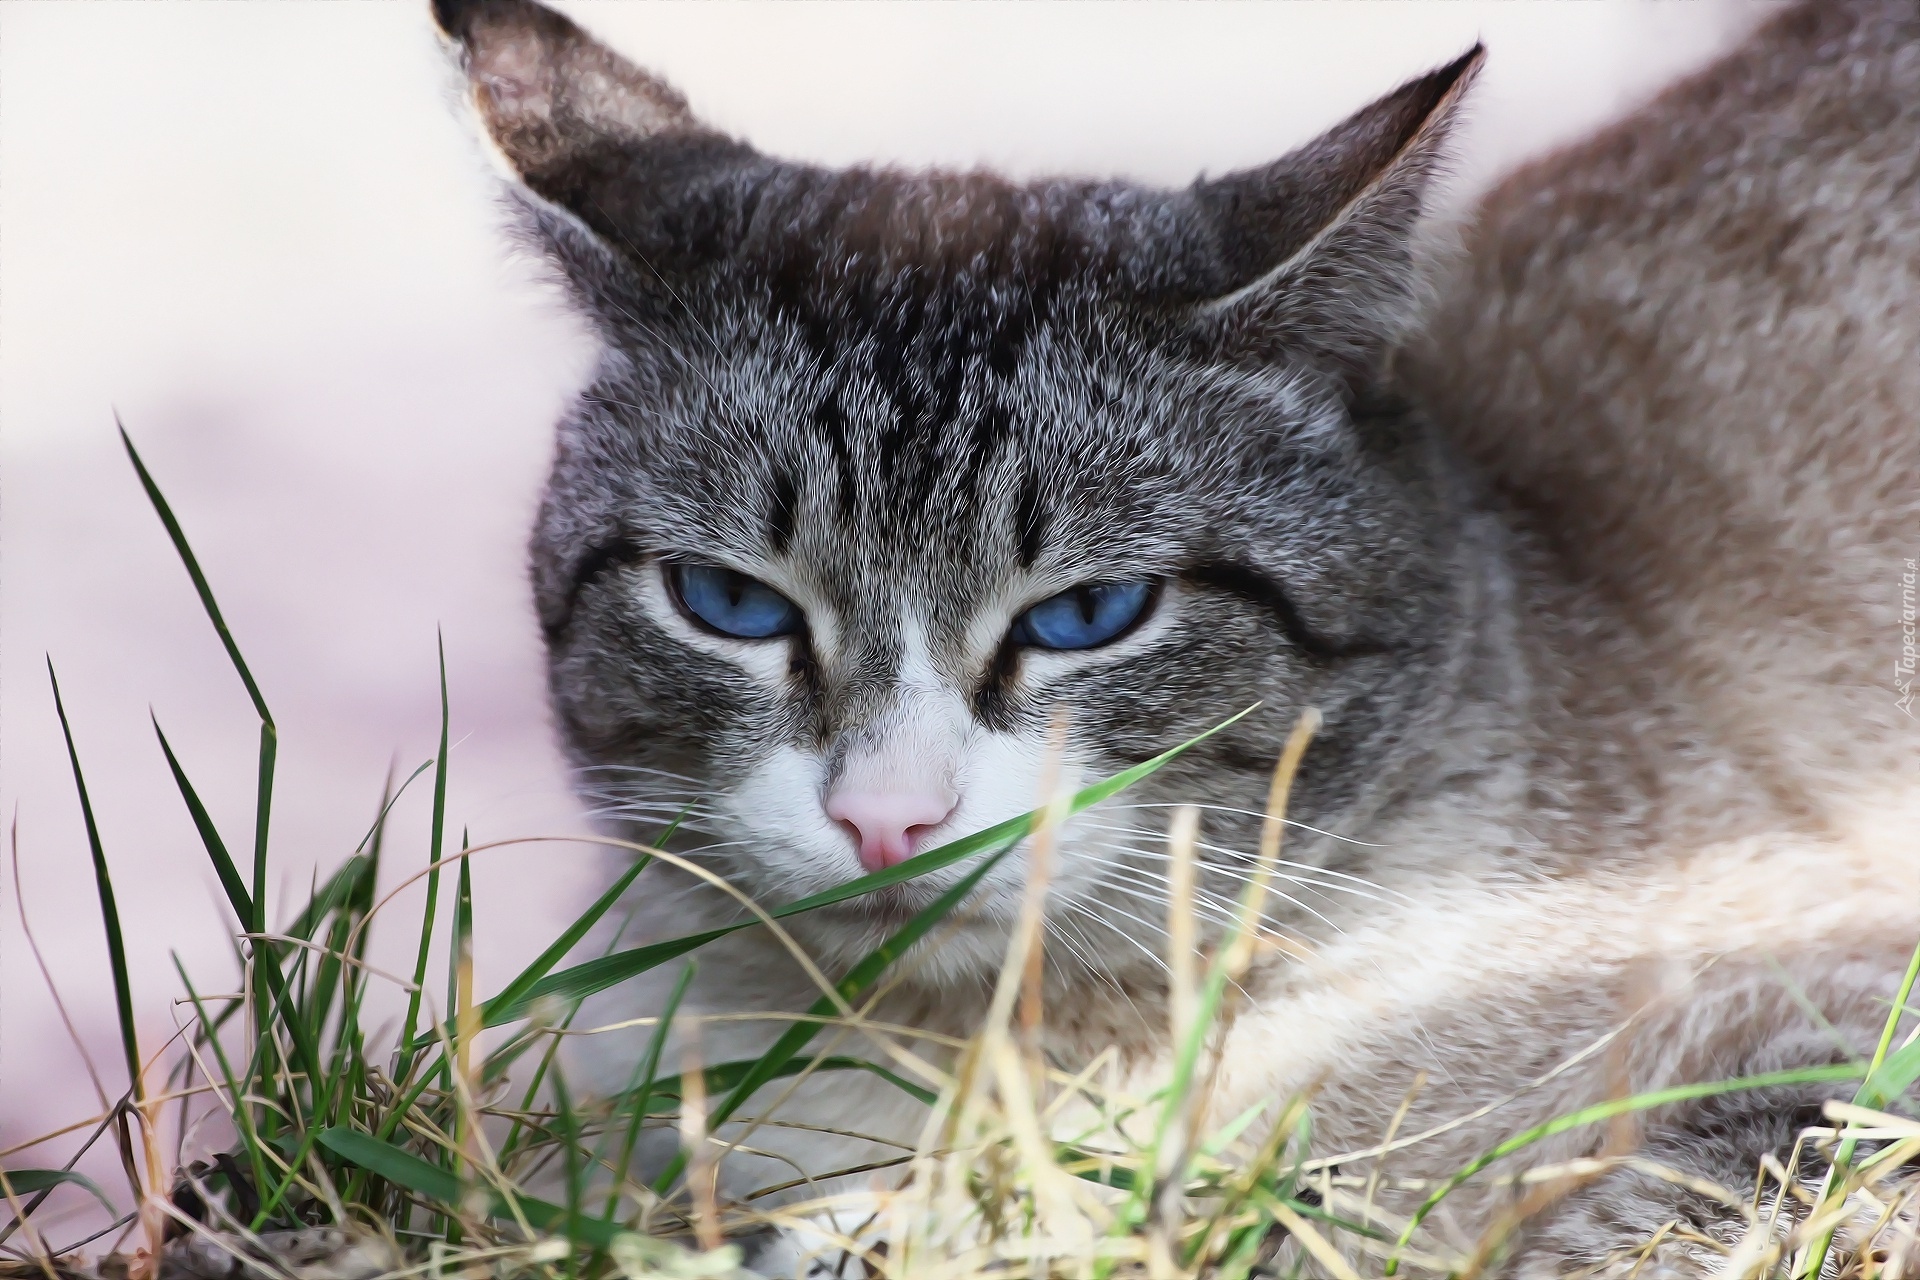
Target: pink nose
[890,823]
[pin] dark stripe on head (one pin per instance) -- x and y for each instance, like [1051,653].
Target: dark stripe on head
[831,419]
[783,510]
[1029,521]
[1256,588]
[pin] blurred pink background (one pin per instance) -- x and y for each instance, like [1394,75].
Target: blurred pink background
[265,234]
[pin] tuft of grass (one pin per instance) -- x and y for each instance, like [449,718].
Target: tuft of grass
[454,1143]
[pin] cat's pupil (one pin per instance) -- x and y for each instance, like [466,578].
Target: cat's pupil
[1089,604]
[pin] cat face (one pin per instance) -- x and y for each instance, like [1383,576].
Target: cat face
[892,489]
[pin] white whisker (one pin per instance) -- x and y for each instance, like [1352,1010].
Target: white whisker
[1303,873]
[1159,961]
[1250,813]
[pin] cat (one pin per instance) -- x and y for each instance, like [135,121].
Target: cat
[885,479]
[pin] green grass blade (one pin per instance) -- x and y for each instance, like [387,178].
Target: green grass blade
[516,991]
[639,1089]
[858,979]
[326,908]
[262,814]
[729,1075]
[517,1130]
[438,834]
[393,1164]
[242,1118]
[25,1182]
[372,843]
[285,1013]
[1002,835]
[409,1045]
[1887,1078]
[268,734]
[597,975]
[1607,1111]
[567,1126]
[193,571]
[109,910]
[237,895]
[1892,1077]
[330,981]
[295,1164]
[410,1171]
[341,888]
[409,1042]
[390,798]
[459,951]
[256,921]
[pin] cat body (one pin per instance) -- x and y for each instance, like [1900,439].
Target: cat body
[886,482]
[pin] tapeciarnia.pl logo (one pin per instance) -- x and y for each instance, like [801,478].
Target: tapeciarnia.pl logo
[1903,666]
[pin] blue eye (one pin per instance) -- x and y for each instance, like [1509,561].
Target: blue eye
[732,603]
[1084,616]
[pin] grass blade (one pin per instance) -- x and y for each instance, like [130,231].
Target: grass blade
[515,993]
[585,979]
[1892,1077]
[409,1045]
[387,801]
[187,558]
[28,1181]
[109,910]
[415,1174]
[269,735]
[266,992]
[1607,1111]
[341,888]
[459,961]
[729,1075]
[849,988]
[1887,1078]
[242,1119]
[262,811]
[223,866]
[639,1091]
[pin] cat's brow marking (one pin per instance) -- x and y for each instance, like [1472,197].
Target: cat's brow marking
[831,420]
[611,554]
[1029,521]
[1256,587]
[783,510]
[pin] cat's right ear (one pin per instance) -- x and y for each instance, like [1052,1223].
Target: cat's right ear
[1316,250]
[624,172]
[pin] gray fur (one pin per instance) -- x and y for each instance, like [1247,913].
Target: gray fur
[940,379]
[925,400]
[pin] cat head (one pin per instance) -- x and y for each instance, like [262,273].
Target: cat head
[883,474]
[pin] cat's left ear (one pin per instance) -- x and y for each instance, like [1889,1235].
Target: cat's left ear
[632,186]
[1317,248]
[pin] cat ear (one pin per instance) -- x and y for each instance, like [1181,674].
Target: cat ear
[596,137]
[1317,248]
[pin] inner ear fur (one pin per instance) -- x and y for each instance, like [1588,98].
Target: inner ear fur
[589,132]
[1317,248]
[623,186]
[551,96]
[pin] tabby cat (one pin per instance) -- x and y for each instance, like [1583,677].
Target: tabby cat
[884,477]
